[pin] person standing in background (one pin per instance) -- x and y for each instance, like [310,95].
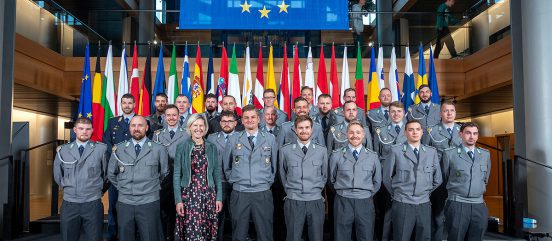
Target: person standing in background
[444,20]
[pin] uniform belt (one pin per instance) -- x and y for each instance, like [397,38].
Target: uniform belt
[461,199]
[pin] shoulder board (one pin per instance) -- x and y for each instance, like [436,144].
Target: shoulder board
[479,150]
[409,108]
[426,146]
[403,147]
[58,148]
[449,149]
[149,143]
[120,118]
[126,143]
[369,151]
[99,143]
[332,129]
[114,148]
[287,144]
[459,149]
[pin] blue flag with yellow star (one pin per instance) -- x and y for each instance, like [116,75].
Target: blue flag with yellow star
[85,101]
[264,14]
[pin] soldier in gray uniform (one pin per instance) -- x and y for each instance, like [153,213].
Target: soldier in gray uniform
[379,118]
[303,170]
[337,138]
[228,123]
[183,104]
[384,138]
[355,173]
[425,112]
[307,93]
[250,166]
[287,132]
[269,96]
[442,136]
[411,171]
[350,95]
[467,169]
[324,116]
[169,137]
[137,168]
[156,120]
[270,116]
[80,169]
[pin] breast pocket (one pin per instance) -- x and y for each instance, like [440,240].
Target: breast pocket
[345,172]
[428,173]
[317,167]
[292,168]
[153,166]
[459,173]
[403,175]
[93,169]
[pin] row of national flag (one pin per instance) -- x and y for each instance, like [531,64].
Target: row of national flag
[99,101]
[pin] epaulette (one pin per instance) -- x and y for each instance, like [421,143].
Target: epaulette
[99,143]
[287,144]
[114,148]
[332,129]
[481,149]
[449,149]
[336,111]
[125,143]
[59,148]
[120,118]
[378,130]
[424,146]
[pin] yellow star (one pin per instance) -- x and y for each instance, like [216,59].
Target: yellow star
[88,115]
[264,12]
[245,7]
[283,7]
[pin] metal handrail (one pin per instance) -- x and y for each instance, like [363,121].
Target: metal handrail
[489,146]
[43,144]
[529,160]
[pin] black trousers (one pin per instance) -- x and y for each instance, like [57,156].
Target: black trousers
[259,206]
[443,35]
[145,217]
[297,213]
[357,212]
[88,215]
[466,221]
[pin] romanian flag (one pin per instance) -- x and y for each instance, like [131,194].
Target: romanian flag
[144,101]
[97,109]
[270,80]
[373,85]
[198,94]
[422,75]
[85,100]
[359,82]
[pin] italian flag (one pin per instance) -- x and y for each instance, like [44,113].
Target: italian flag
[172,90]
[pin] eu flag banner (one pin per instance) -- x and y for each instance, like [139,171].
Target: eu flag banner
[264,14]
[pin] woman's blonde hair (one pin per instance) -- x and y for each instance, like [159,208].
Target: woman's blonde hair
[193,119]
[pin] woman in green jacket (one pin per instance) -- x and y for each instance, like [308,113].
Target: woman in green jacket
[197,184]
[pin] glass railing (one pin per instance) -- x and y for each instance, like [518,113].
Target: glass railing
[480,25]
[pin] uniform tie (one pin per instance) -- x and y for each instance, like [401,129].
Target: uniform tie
[181,120]
[171,133]
[470,153]
[386,115]
[81,150]
[427,109]
[137,148]
[160,119]
[324,123]
[355,155]
[270,131]
[449,131]
[127,120]
[305,149]
[226,138]
[417,153]
[250,138]
[397,129]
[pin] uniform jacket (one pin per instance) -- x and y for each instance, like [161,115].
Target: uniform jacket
[220,142]
[303,175]
[466,179]
[82,178]
[376,119]
[355,178]
[250,169]
[117,131]
[182,168]
[386,137]
[275,131]
[440,138]
[282,117]
[409,180]
[337,138]
[417,112]
[138,178]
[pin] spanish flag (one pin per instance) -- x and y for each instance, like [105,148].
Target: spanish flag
[198,106]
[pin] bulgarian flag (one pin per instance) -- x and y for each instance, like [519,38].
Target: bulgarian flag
[172,89]
[108,92]
[198,106]
[97,109]
[359,82]
[373,85]
[234,82]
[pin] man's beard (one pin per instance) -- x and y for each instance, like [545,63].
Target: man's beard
[211,108]
[425,101]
